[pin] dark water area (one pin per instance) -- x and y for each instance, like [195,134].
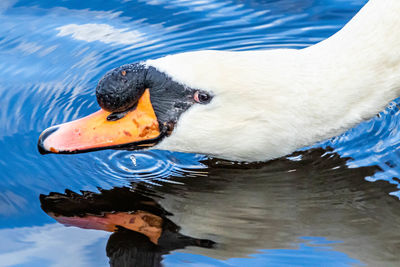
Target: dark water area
[334,204]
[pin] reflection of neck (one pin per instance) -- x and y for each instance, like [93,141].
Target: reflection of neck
[268,207]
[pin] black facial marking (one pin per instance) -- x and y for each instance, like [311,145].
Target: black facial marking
[121,88]
[169,98]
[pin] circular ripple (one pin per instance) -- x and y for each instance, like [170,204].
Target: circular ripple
[150,166]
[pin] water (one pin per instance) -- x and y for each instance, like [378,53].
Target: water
[334,205]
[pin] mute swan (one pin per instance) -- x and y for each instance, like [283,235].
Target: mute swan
[245,106]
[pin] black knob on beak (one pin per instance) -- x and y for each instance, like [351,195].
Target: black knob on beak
[121,88]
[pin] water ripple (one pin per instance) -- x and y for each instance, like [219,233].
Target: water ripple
[150,165]
[374,142]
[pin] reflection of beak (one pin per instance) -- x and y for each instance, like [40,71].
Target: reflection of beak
[141,221]
[138,128]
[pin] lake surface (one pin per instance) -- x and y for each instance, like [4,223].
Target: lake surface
[334,204]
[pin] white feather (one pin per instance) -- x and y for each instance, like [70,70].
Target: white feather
[269,103]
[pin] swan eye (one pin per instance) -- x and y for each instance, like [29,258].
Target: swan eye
[201,97]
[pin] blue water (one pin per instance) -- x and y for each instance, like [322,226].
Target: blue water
[315,209]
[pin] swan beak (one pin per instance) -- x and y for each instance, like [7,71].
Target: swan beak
[139,128]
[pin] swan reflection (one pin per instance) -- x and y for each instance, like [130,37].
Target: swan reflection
[141,232]
[240,210]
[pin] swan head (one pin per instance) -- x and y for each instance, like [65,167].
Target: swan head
[244,106]
[201,102]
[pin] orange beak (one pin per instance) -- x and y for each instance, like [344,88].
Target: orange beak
[138,127]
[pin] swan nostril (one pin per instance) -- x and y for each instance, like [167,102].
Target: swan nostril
[116,116]
[119,115]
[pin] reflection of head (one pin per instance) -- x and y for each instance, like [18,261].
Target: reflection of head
[141,231]
[129,248]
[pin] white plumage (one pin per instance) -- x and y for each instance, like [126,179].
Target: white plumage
[269,103]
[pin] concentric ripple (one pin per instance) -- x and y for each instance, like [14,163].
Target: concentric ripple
[151,166]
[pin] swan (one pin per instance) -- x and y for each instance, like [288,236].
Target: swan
[249,105]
